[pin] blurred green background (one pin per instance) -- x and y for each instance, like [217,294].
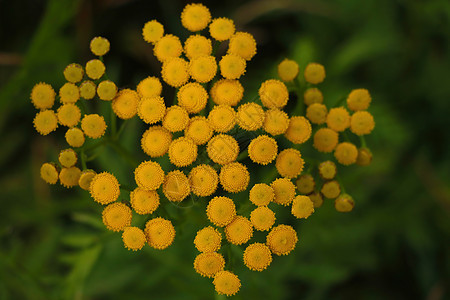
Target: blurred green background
[394,245]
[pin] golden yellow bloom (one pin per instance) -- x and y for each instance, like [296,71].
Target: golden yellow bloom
[302,207]
[86,178]
[208,239]
[203,68]
[262,218]
[42,96]
[364,157]
[182,152]
[275,122]
[331,189]
[222,118]
[232,66]
[160,233]
[344,203]
[250,116]
[69,93]
[362,123]
[195,17]
[95,69]
[312,95]
[104,188]
[282,239]
[325,140]
[234,177]
[87,89]
[273,94]
[156,141]
[261,194]
[223,149]
[289,163]
[176,186]
[314,73]
[49,173]
[359,99]
[73,73]
[263,149]
[125,105]
[226,283]
[75,137]
[227,91]
[175,119]
[288,70]
[346,153]
[239,231]
[317,113]
[143,201]
[106,90]
[149,87]
[257,257]
[67,158]
[116,216]
[175,72]
[242,44]
[199,130]
[221,211]
[299,130]
[196,46]
[209,263]
[305,184]
[151,110]
[152,31]
[68,115]
[149,175]
[203,179]
[68,177]
[45,122]
[133,238]
[169,46]
[316,199]
[338,119]
[99,46]
[284,191]
[93,126]
[327,169]
[192,97]
[221,29]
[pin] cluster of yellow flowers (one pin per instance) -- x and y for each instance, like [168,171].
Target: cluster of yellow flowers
[200,134]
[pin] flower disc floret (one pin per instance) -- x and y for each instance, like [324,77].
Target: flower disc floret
[331,189]
[203,180]
[175,72]
[234,177]
[176,186]
[284,191]
[262,218]
[106,90]
[42,96]
[152,31]
[169,46]
[325,140]
[302,207]
[261,194]
[299,130]
[95,69]
[93,126]
[68,177]
[316,199]
[151,110]
[346,153]
[289,163]
[45,122]
[359,99]
[175,119]
[67,158]
[143,201]
[182,152]
[276,122]
[86,178]
[227,91]
[126,104]
[104,188]
[305,184]
[221,211]
[195,17]
[362,123]
[73,73]
[222,118]
[223,149]
[314,73]
[364,157]
[242,44]
[117,216]
[149,87]
[208,239]
[160,233]
[288,70]
[317,113]
[263,149]
[209,263]
[69,115]
[196,46]
[149,175]
[199,130]
[226,283]
[338,119]
[156,141]
[250,116]
[203,68]
[99,46]
[344,203]
[87,89]
[312,95]
[239,231]
[69,93]
[133,238]
[49,173]
[232,66]
[192,97]
[273,94]
[282,239]
[257,257]
[221,29]
[327,169]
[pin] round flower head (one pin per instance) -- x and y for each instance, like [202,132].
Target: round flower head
[49,173]
[344,203]
[327,169]
[151,110]
[305,184]
[156,141]
[364,157]
[362,123]
[275,122]
[312,95]
[289,163]
[149,87]
[282,239]
[227,91]
[346,153]
[106,90]
[133,238]
[175,72]
[222,118]
[68,115]
[273,94]
[316,199]
[221,29]
[299,130]
[75,137]
[45,122]
[250,116]
[261,194]
[116,216]
[262,218]
[223,149]
[67,158]
[232,66]
[182,152]
[242,44]
[152,31]
[338,119]
[208,239]
[325,140]
[314,73]
[208,264]
[73,73]
[176,186]
[169,46]
[221,211]
[234,177]
[226,283]
[95,69]
[68,177]
[69,93]
[143,201]
[317,113]
[125,105]
[86,178]
[331,189]
[104,188]
[203,68]
[99,46]
[192,97]
[196,46]
[175,119]
[284,191]
[149,175]
[359,99]
[263,149]
[203,180]
[239,231]
[199,130]
[288,70]
[160,233]
[42,96]
[88,89]
[195,17]
[93,126]
[302,207]
[257,257]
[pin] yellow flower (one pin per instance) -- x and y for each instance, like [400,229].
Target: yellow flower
[42,96]
[104,188]
[143,201]
[325,140]
[176,186]
[302,207]
[93,126]
[317,113]
[338,119]
[45,122]
[168,46]
[284,191]
[151,110]
[68,177]
[87,89]
[239,231]
[73,73]
[316,199]
[86,178]
[203,68]
[99,46]
[346,153]
[116,216]
[69,93]
[250,116]
[232,66]
[275,122]
[195,17]
[69,114]
[133,238]
[75,137]
[261,194]
[364,157]
[149,175]
[312,95]
[156,141]
[221,29]
[344,203]
[152,31]
[175,72]
[226,283]
[182,152]
[149,87]
[221,211]
[242,44]
[192,97]
[160,233]
[227,91]
[314,73]
[223,149]
[263,149]
[95,69]
[49,173]
[175,119]
[208,239]
[203,179]
[331,189]
[234,177]
[262,218]
[273,94]
[67,158]
[299,130]
[196,46]
[106,90]
[362,123]
[289,163]
[199,130]
[257,257]
[327,169]
[222,118]
[125,105]
[305,184]
[209,263]
[282,239]
[288,70]
[359,99]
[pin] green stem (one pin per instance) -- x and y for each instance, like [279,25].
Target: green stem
[113,121]
[126,187]
[340,101]
[84,108]
[121,128]
[83,159]
[131,160]
[338,178]
[363,141]
[300,104]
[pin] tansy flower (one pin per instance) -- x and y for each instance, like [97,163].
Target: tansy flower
[156,141]
[95,69]
[87,89]
[93,126]
[160,233]
[42,96]
[169,46]
[203,179]
[175,119]
[338,119]
[67,158]
[203,68]
[222,118]
[223,149]
[261,194]
[104,188]
[149,175]
[289,163]
[221,29]
[208,239]
[302,207]
[221,211]
[143,201]
[232,66]
[262,218]
[250,116]
[226,283]
[263,149]
[68,115]
[99,46]
[45,122]
[327,169]
[73,73]
[257,257]
[192,97]
[346,153]
[149,87]
[175,72]
[234,177]
[85,179]
[344,203]
[227,91]
[364,157]
[242,44]
[312,95]
[49,173]
[68,177]
[314,73]
[275,122]
[176,186]
[359,99]
[317,113]
[299,130]
[316,199]
[331,189]
[195,17]
[182,152]
[209,263]
[69,93]
[325,140]
[196,46]
[239,231]
[305,184]
[116,216]
[282,239]
[199,130]
[125,105]
[273,94]
[151,110]
[152,31]
[284,191]
[106,90]
[75,137]
[288,70]
[362,123]
[133,238]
